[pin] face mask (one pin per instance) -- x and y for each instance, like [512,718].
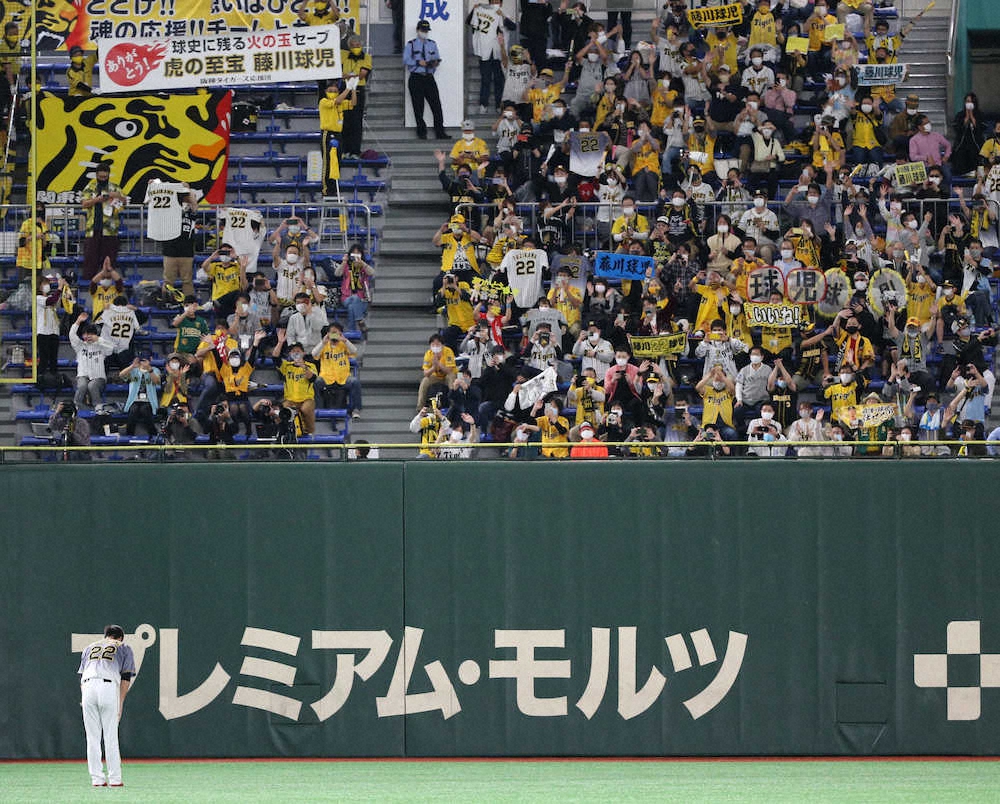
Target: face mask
[759,203]
[821,11]
[301,308]
[912,224]
[756,360]
[234,362]
[813,199]
[592,57]
[782,82]
[767,133]
[468,136]
[766,415]
[935,180]
[436,348]
[861,284]
[964,332]
[621,361]
[628,212]
[718,386]
[921,279]
[594,337]
[612,181]
[584,130]
[609,88]
[619,107]
[841,80]
[44,289]
[911,112]
[508,114]
[854,329]
[291,259]
[735,309]
[975,253]
[805,413]
[244,308]
[599,288]
[845,379]
[756,61]
[970,106]
[677,202]
[174,365]
[926,127]
[752,105]
[786,253]
[866,108]
[895,206]
[355,51]
[949,293]
[297,357]
[586,433]
[560,180]
[292,230]
[722,228]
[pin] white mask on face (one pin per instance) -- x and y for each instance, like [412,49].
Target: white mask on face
[174,365]
[558,111]
[895,206]
[805,413]
[921,279]
[600,288]
[509,114]
[969,105]
[766,415]
[560,180]
[235,361]
[842,80]
[752,105]
[301,308]
[44,289]
[927,128]
[866,108]
[935,180]
[861,284]
[592,57]
[845,379]
[759,203]
[756,61]
[722,228]
[912,224]
[594,337]
[436,348]
[677,202]
[812,199]
[106,283]
[468,136]
[782,82]
[291,259]
[586,432]
[244,308]
[584,130]
[786,253]
[628,212]
[756,359]
[621,361]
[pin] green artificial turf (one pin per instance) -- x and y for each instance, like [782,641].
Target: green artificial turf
[729,781]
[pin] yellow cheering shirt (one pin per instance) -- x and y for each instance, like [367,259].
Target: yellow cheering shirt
[663,104]
[353,65]
[717,406]
[806,251]
[815,27]
[713,305]
[331,114]
[334,363]
[25,258]
[470,154]
[776,339]
[460,312]
[101,298]
[824,150]
[763,31]
[560,298]
[225,277]
[730,48]
[587,408]
[463,249]
[854,349]
[236,382]
[646,159]
[919,298]
[298,382]
[841,398]
[447,361]
[540,98]
[550,435]
[864,130]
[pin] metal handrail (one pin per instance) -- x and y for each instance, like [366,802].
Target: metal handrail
[343,452]
[952,33]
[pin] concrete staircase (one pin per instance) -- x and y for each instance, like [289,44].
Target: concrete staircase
[925,53]
[401,317]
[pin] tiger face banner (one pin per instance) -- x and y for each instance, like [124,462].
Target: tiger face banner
[63,24]
[181,138]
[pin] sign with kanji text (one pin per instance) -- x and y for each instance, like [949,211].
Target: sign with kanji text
[623,266]
[886,286]
[838,291]
[880,74]
[712,16]
[658,345]
[911,173]
[875,414]
[805,285]
[298,54]
[764,281]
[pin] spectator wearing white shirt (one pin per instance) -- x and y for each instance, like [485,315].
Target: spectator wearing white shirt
[305,325]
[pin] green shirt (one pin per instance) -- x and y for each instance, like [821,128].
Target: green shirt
[189,335]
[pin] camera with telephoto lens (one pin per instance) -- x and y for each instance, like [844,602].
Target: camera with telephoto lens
[286,426]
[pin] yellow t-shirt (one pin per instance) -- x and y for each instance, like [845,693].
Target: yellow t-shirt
[470,154]
[353,65]
[540,98]
[716,406]
[638,223]
[26,256]
[646,159]
[460,313]
[663,104]
[864,130]
[447,360]
[856,349]
[730,45]
[298,382]
[236,382]
[225,278]
[919,298]
[334,363]
[331,114]
[712,305]
[550,435]
[815,27]
[587,408]
[762,30]
[806,251]
[824,149]
[841,398]
[101,298]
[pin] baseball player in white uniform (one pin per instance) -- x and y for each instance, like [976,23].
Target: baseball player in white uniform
[106,670]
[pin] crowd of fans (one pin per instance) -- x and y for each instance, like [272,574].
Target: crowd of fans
[718,152]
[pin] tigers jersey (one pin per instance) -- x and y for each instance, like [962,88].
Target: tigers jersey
[447,360]
[101,297]
[841,398]
[239,231]
[163,209]
[551,435]
[334,363]
[919,298]
[107,659]
[586,152]
[816,26]
[854,349]
[712,305]
[776,339]
[485,21]
[588,409]
[540,98]
[524,269]
[518,76]
[225,277]
[717,406]
[331,114]
[288,281]
[663,104]
[298,383]
[646,159]
[30,250]
[236,382]
[459,309]
[762,30]
[119,324]
[189,335]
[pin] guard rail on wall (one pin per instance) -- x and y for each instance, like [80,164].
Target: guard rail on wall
[338,223]
[636,450]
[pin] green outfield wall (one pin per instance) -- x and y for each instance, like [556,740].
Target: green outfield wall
[489,609]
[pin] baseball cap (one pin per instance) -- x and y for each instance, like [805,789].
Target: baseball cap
[912,99]
[698,119]
[457,218]
[913,321]
[663,219]
[947,284]
[423,25]
[546,71]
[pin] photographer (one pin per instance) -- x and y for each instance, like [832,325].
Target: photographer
[456,298]
[335,384]
[710,436]
[142,401]
[67,428]
[542,351]
[221,426]
[766,431]
[180,427]
[299,376]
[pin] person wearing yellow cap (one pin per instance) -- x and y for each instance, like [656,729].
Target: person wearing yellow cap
[458,250]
